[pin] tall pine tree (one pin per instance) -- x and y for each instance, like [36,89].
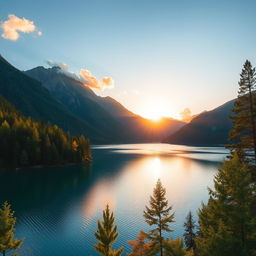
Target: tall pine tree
[158,215]
[7,228]
[189,234]
[107,234]
[243,133]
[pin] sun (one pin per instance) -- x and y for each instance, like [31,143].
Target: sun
[156,109]
[154,112]
[155,118]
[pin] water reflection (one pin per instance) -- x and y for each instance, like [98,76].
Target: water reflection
[57,208]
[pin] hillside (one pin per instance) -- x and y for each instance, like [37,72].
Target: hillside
[25,142]
[103,113]
[209,128]
[32,99]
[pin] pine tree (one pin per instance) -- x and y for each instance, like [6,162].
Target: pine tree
[106,235]
[189,234]
[158,214]
[139,246]
[226,224]
[7,227]
[243,133]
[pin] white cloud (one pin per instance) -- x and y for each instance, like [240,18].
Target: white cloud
[84,76]
[14,25]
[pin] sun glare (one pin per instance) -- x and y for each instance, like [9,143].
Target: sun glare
[156,110]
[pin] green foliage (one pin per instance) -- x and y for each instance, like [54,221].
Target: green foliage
[25,142]
[227,224]
[7,228]
[106,235]
[189,234]
[158,215]
[243,133]
[174,248]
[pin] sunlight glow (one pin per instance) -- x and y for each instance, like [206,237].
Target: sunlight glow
[156,167]
[155,111]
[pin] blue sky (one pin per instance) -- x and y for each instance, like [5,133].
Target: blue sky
[164,56]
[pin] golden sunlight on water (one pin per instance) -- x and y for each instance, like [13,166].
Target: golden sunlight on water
[182,174]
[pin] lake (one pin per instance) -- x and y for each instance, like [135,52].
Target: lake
[57,208]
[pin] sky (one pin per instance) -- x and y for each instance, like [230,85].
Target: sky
[159,57]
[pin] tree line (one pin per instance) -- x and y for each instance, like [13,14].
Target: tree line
[25,142]
[226,223]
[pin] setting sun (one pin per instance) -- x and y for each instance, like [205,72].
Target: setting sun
[155,111]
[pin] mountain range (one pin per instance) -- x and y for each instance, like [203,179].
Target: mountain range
[52,96]
[208,128]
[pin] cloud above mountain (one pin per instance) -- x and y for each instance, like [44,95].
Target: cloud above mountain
[94,83]
[84,76]
[13,26]
[186,115]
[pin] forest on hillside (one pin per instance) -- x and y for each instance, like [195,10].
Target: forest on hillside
[25,142]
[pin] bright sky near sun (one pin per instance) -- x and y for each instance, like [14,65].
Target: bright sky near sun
[163,55]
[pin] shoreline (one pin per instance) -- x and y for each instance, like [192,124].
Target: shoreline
[43,166]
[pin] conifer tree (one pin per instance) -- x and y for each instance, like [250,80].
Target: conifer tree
[107,234]
[189,234]
[7,228]
[243,133]
[139,246]
[158,215]
[227,225]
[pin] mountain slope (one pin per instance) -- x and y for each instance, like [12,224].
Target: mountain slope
[103,113]
[32,99]
[78,99]
[209,128]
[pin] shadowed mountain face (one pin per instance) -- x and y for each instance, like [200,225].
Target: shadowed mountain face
[103,113]
[32,99]
[208,128]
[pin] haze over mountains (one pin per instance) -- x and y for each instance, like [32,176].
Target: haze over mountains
[51,95]
[208,128]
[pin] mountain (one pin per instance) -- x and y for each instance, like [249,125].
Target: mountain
[102,113]
[208,128]
[32,99]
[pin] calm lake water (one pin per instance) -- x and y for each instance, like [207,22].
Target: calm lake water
[57,208]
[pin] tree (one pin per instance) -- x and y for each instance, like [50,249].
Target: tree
[139,246]
[158,214]
[227,225]
[107,234]
[7,227]
[175,248]
[243,133]
[189,234]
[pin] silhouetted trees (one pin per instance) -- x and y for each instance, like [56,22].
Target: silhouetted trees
[189,234]
[25,142]
[243,133]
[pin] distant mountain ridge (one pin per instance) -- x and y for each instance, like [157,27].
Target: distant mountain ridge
[208,128]
[32,99]
[103,113]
